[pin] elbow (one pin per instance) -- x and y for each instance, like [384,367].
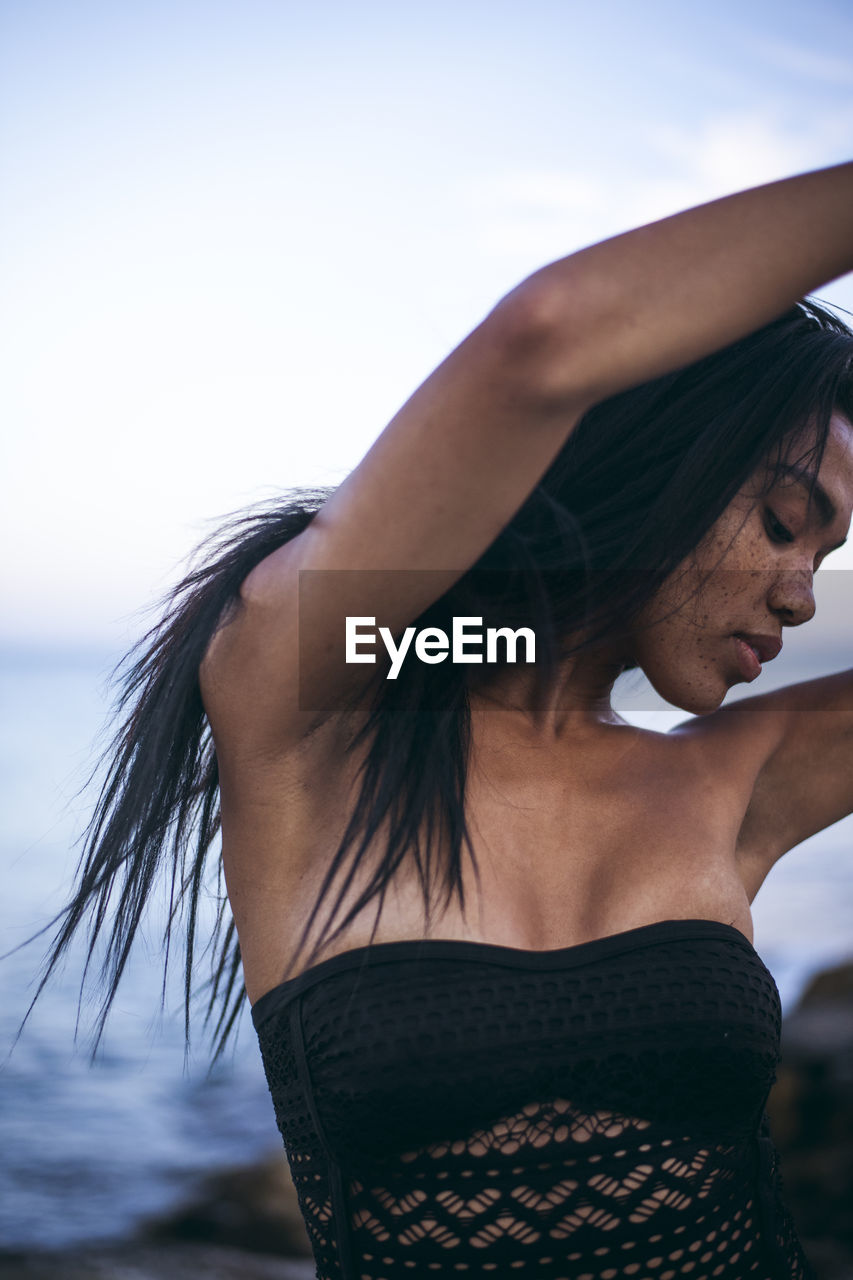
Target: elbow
[551,337]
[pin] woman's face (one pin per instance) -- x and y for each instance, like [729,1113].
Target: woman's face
[721,613]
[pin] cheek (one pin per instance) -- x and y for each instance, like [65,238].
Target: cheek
[711,595]
[737,543]
[686,627]
[729,571]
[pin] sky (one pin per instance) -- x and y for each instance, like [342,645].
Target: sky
[234,237]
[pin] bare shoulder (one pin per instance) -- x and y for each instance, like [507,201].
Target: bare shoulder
[788,758]
[769,722]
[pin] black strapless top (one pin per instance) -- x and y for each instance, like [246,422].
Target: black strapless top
[591,1113]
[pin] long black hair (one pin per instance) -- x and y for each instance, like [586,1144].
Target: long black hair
[638,484]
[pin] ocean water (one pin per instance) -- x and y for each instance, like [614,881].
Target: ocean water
[89,1150]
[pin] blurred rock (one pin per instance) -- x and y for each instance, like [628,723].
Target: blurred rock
[831,985]
[151,1262]
[251,1208]
[242,1224]
[811,1117]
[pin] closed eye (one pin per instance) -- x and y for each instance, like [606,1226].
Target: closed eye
[777,531]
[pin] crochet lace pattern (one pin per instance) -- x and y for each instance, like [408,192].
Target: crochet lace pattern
[592,1113]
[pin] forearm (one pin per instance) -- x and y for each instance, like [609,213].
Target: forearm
[662,296]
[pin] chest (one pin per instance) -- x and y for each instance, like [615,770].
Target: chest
[565,846]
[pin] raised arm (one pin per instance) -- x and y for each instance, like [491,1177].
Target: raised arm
[669,293]
[457,461]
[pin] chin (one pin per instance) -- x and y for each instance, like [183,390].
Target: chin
[697,697]
[699,705]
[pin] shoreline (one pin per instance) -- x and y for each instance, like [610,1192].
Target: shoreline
[135,1261]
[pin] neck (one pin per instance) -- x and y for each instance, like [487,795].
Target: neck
[578,698]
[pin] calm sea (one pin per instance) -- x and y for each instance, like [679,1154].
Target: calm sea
[88,1151]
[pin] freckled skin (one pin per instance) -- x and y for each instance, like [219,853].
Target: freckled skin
[742,578]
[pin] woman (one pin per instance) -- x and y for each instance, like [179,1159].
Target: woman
[497,941]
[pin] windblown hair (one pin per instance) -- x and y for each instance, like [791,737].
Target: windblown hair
[638,484]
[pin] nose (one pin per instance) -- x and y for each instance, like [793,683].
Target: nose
[792,597]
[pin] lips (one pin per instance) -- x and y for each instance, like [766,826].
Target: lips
[766,647]
[752,650]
